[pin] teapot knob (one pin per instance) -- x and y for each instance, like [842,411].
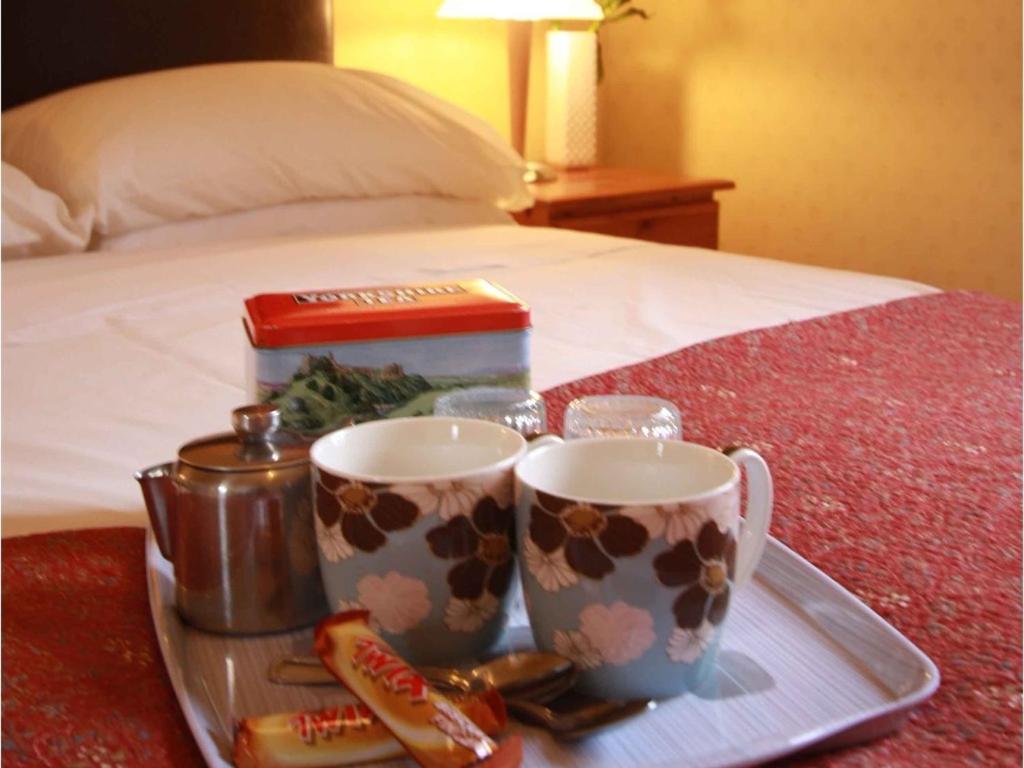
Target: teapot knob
[256,423]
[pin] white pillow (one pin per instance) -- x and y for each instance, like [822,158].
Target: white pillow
[320,218]
[35,221]
[201,141]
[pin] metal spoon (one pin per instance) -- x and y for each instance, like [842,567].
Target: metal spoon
[536,687]
[523,674]
[574,715]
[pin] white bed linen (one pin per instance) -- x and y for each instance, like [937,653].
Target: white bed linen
[112,360]
[173,144]
[312,218]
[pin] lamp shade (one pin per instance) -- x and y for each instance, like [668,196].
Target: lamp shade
[520,10]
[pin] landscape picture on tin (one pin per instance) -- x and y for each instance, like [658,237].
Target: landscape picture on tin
[324,394]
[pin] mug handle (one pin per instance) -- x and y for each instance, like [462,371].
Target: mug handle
[758,514]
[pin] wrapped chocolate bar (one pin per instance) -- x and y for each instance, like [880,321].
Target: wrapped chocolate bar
[433,730]
[345,735]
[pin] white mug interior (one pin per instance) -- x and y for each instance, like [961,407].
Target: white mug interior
[628,471]
[417,449]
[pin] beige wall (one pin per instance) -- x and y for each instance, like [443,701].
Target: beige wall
[881,136]
[463,60]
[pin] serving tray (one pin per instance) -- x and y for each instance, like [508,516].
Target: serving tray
[804,664]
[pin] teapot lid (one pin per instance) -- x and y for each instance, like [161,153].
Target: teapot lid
[253,446]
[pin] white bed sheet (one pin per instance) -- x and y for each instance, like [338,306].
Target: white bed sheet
[312,218]
[112,360]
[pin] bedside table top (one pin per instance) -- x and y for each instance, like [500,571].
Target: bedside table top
[581,185]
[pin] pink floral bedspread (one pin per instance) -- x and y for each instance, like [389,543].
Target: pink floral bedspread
[894,434]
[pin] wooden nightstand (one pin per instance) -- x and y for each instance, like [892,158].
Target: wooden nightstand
[629,203]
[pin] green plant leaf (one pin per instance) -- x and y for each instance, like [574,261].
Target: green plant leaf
[626,14]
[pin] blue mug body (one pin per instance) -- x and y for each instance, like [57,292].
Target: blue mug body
[630,558]
[431,555]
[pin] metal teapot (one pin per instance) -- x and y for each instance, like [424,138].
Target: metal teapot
[234,515]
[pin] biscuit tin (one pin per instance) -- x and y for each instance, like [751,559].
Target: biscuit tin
[332,358]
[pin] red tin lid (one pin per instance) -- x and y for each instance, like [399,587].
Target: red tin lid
[383,312]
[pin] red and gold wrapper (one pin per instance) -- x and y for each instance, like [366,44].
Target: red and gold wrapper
[345,735]
[433,730]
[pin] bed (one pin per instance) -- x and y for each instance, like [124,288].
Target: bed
[166,325]
[128,343]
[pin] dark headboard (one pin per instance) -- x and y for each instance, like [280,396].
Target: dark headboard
[49,45]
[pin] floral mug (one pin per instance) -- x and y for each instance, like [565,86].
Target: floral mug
[631,550]
[414,521]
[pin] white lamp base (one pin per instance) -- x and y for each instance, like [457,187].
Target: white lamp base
[571,99]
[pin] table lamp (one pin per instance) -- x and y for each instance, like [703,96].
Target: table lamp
[520,14]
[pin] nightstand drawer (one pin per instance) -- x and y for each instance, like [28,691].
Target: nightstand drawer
[629,203]
[693,224]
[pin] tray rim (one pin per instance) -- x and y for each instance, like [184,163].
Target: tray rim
[863,726]
[154,559]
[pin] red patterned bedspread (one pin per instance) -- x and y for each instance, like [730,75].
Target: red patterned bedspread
[894,434]
[894,438]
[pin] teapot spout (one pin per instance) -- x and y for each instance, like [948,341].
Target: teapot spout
[161,496]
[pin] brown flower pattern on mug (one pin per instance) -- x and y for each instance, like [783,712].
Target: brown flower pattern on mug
[589,535]
[706,568]
[366,512]
[480,542]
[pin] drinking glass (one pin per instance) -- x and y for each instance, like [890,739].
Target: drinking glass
[622,416]
[521,409]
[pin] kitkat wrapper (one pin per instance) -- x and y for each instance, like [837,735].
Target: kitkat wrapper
[348,734]
[434,732]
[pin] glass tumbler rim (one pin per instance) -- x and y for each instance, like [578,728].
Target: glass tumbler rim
[491,393]
[639,415]
[620,398]
[520,408]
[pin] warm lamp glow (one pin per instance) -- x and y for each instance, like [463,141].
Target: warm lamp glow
[520,10]
[519,14]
